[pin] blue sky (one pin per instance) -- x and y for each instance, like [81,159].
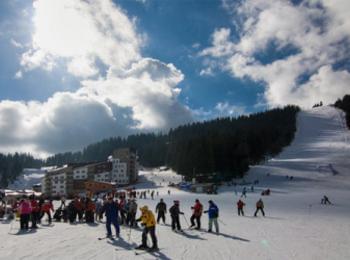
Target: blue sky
[75,72]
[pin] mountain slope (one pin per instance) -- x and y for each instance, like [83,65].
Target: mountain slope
[296,225]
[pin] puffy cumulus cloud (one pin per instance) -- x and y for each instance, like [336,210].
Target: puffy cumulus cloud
[307,43]
[141,100]
[149,87]
[128,94]
[81,32]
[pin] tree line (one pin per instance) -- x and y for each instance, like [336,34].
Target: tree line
[344,104]
[11,166]
[225,146]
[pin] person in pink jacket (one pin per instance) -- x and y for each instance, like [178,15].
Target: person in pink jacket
[25,209]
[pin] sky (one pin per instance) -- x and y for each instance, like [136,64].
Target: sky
[74,72]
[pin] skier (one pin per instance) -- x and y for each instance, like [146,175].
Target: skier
[79,208]
[325,200]
[148,221]
[161,210]
[175,216]
[240,205]
[244,192]
[122,210]
[98,213]
[24,210]
[197,213]
[35,211]
[72,214]
[111,213]
[90,210]
[152,194]
[63,203]
[168,192]
[213,214]
[132,208]
[46,208]
[259,206]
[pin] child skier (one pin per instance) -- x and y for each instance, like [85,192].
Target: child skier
[240,205]
[148,221]
[197,214]
[213,214]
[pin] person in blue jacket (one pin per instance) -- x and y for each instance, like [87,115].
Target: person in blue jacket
[111,212]
[213,214]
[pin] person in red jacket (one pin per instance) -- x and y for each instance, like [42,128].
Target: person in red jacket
[197,213]
[240,205]
[89,211]
[35,211]
[24,210]
[46,208]
[79,208]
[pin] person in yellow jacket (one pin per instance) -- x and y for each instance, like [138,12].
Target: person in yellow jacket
[149,223]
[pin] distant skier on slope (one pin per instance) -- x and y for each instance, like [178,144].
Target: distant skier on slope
[325,200]
[213,214]
[240,205]
[244,192]
[259,206]
[161,210]
[148,221]
[197,214]
[175,216]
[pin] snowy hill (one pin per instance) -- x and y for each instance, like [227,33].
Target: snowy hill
[27,179]
[296,225]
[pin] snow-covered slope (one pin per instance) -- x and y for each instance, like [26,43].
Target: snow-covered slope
[28,178]
[296,226]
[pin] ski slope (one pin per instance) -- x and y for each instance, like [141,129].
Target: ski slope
[296,226]
[28,178]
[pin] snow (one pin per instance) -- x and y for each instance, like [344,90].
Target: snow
[28,178]
[296,225]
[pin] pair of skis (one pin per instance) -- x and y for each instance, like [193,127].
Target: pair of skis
[137,251]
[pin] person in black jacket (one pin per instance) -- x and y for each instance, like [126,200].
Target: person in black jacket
[161,210]
[175,213]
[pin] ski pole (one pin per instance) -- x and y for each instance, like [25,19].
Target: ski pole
[186,220]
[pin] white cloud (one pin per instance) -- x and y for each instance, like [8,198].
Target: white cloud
[226,109]
[221,109]
[16,44]
[316,33]
[127,94]
[81,32]
[18,75]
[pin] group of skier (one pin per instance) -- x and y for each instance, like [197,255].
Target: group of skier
[29,209]
[259,207]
